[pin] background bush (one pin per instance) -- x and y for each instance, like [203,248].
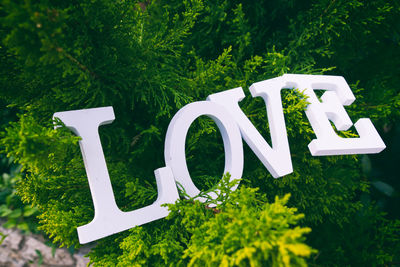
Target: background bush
[147,60]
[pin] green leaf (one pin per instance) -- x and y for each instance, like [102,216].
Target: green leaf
[29,211]
[15,214]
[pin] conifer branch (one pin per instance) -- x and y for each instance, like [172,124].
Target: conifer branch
[79,64]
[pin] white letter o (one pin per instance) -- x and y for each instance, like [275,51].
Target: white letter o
[174,151]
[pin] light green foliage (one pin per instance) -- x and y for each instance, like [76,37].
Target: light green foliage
[13,212]
[249,232]
[236,229]
[147,60]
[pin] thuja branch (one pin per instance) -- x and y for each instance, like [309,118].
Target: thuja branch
[75,61]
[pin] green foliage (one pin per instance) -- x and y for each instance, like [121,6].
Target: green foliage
[243,233]
[15,213]
[368,235]
[236,229]
[147,60]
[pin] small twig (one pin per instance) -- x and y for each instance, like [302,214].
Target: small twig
[74,60]
[135,139]
[329,6]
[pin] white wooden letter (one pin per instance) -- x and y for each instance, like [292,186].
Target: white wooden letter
[331,108]
[108,218]
[174,152]
[276,159]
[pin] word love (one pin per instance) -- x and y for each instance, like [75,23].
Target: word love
[234,126]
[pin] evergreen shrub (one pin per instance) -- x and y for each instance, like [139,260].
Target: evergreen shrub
[147,60]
